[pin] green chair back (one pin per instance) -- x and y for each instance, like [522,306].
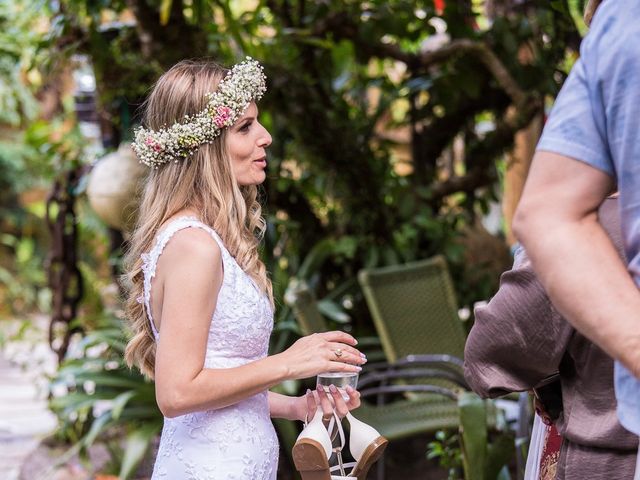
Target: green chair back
[414,308]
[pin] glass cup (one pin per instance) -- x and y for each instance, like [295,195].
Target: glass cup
[340,379]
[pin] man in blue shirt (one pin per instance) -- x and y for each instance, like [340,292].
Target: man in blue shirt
[591,143]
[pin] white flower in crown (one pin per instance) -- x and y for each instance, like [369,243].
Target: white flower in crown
[245,83]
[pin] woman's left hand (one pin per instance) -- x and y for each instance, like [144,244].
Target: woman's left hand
[329,402]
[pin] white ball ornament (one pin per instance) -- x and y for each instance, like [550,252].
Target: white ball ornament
[114,188]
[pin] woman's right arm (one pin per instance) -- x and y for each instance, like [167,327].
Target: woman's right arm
[191,269]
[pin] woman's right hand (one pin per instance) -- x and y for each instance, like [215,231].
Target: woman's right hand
[322,352]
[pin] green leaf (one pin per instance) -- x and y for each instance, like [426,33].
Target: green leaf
[165,11]
[342,55]
[25,250]
[346,246]
[98,426]
[315,258]
[137,445]
[120,402]
[108,379]
[333,311]
[77,401]
[473,429]
[499,453]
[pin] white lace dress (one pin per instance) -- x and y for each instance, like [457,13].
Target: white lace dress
[235,442]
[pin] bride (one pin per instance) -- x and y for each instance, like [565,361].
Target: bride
[201,303]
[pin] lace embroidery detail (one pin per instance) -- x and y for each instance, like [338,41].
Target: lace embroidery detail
[239,441]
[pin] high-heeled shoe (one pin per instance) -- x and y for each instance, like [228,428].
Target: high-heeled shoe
[366,446]
[313,448]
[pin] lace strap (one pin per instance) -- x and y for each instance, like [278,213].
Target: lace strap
[150,260]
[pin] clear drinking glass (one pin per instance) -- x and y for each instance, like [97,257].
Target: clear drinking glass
[340,379]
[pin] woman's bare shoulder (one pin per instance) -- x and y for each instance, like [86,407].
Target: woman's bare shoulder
[192,246]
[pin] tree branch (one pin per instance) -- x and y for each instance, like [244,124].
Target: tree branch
[341,26]
[154,37]
[486,56]
[477,177]
[485,151]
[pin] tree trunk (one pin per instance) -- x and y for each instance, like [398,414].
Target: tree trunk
[518,163]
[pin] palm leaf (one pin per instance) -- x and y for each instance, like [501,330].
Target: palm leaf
[138,443]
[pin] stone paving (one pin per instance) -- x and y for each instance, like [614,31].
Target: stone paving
[24,416]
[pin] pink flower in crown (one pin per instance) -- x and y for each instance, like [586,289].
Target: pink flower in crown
[155,146]
[222,116]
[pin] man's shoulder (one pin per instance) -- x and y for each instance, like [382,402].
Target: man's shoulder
[615,27]
[612,11]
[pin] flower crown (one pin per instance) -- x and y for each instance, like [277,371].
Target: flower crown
[244,83]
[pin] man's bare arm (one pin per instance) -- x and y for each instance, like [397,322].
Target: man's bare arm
[557,223]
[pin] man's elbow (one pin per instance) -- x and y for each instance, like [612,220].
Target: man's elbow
[524,222]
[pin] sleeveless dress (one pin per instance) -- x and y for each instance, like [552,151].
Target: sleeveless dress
[237,442]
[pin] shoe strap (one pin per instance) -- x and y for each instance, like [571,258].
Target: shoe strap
[336,422]
[350,465]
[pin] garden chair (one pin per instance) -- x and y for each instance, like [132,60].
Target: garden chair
[397,415]
[413,395]
[415,313]
[407,416]
[444,403]
[414,308]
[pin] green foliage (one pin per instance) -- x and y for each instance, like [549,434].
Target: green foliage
[475,452]
[342,75]
[26,167]
[446,448]
[23,286]
[103,396]
[20,43]
[484,457]
[346,188]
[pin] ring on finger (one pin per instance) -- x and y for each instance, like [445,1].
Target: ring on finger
[338,352]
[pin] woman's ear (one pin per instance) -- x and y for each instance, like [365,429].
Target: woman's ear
[590,9]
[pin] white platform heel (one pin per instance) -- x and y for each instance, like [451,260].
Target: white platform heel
[313,449]
[366,446]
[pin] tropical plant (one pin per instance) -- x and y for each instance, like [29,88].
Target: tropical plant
[95,396]
[475,452]
[445,447]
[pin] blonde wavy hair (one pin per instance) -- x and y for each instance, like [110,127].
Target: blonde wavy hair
[203,182]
